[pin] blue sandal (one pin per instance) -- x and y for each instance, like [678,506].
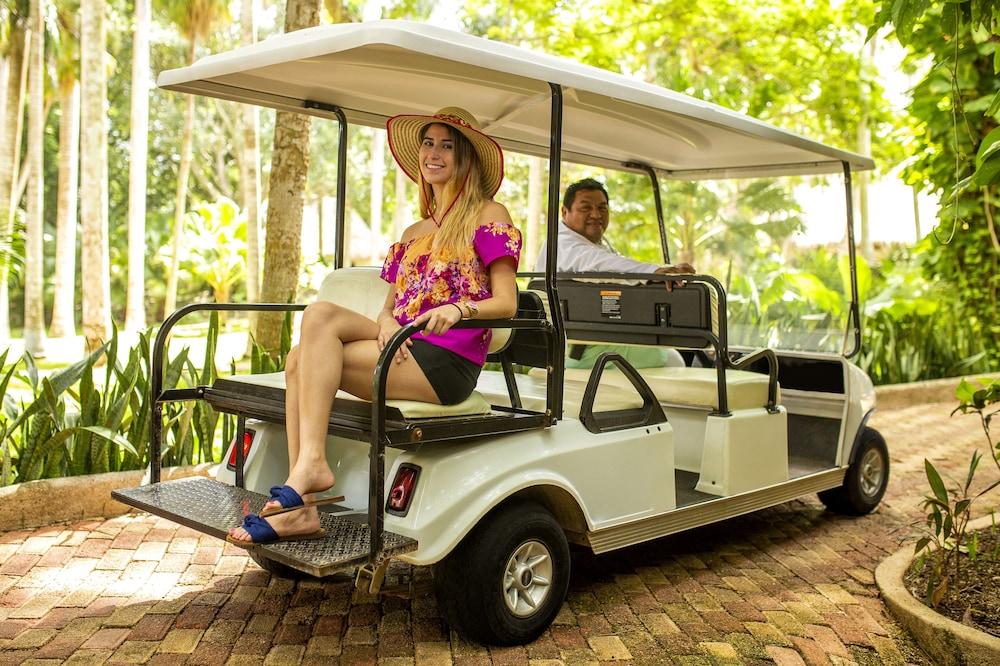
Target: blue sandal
[261,532]
[290,500]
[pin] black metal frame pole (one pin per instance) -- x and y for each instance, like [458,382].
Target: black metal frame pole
[341,242]
[855,312]
[338,251]
[654,181]
[554,390]
[156,366]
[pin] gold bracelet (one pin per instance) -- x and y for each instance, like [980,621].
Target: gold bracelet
[473,309]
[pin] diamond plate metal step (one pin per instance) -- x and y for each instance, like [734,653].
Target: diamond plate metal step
[212,507]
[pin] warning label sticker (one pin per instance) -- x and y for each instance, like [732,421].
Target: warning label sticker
[611,304]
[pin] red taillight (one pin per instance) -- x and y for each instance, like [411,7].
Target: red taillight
[247,441]
[402,489]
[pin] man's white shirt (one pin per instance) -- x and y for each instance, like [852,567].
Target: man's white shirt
[577,255]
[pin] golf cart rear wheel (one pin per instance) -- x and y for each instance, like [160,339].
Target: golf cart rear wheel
[506,581]
[866,478]
[277,568]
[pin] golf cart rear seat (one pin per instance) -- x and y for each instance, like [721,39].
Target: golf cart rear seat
[408,422]
[614,311]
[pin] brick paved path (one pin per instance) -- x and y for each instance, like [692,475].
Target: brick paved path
[788,585]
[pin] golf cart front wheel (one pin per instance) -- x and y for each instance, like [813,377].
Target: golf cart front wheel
[866,479]
[506,581]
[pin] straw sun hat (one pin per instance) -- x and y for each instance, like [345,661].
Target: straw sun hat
[404,136]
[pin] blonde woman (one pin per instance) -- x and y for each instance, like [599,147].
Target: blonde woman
[458,262]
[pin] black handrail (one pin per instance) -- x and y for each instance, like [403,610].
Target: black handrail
[376,453]
[854,314]
[554,376]
[651,172]
[156,370]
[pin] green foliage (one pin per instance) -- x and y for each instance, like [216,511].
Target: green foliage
[956,107]
[215,250]
[71,424]
[949,509]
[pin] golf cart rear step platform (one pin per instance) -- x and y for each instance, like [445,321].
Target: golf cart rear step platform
[213,507]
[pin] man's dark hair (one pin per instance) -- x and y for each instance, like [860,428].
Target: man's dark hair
[585,184]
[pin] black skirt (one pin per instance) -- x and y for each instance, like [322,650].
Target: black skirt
[452,377]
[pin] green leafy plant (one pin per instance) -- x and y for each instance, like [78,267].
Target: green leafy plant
[69,424]
[946,541]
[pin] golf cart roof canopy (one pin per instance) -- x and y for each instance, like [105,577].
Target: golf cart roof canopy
[375,70]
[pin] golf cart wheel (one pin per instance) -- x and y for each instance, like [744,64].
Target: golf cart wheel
[277,568]
[866,478]
[506,581]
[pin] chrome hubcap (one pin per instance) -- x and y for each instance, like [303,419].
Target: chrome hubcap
[872,472]
[527,578]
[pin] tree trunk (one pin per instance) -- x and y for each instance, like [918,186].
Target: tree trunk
[34,282]
[289,166]
[250,165]
[865,148]
[401,217]
[10,151]
[534,213]
[135,306]
[64,287]
[180,198]
[916,213]
[94,176]
[376,248]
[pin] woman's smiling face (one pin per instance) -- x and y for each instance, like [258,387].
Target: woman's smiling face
[437,155]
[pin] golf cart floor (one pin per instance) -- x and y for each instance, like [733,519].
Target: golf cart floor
[685,482]
[212,507]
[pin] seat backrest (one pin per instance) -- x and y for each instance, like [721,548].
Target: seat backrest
[362,289]
[631,312]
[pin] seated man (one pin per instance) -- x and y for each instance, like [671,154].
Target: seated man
[583,248]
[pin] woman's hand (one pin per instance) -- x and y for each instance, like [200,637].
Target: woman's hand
[440,319]
[387,327]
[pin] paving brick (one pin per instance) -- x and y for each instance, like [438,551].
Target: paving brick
[180,641]
[107,639]
[784,656]
[134,652]
[609,648]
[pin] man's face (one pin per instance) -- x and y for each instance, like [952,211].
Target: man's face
[588,216]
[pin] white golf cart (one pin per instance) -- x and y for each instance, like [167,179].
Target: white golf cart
[492,491]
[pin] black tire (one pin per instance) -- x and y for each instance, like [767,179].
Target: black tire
[470,582]
[277,568]
[866,478]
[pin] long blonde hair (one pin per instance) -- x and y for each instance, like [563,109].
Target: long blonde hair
[460,216]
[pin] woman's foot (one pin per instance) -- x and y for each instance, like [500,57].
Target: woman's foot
[306,480]
[290,524]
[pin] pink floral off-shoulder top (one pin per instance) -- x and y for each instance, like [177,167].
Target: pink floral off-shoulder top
[425,279]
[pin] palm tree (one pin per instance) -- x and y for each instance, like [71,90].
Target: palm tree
[34,315]
[289,165]
[14,45]
[194,20]
[67,75]
[251,169]
[135,309]
[94,176]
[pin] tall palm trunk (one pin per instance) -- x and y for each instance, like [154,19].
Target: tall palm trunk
[34,313]
[251,167]
[63,305]
[375,200]
[289,165]
[180,198]
[10,151]
[94,176]
[135,308]
[401,215]
[534,212]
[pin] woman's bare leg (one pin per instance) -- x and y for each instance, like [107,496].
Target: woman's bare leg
[291,407]
[335,343]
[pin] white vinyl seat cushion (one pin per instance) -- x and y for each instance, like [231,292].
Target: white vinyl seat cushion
[691,387]
[474,405]
[531,388]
